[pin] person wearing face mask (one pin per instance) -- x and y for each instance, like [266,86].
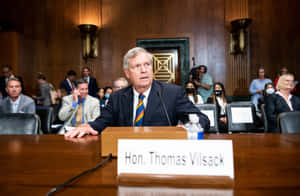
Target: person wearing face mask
[268,90]
[107,91]
[220,99]
[190,89]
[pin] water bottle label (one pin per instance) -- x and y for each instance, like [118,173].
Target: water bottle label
[200,135]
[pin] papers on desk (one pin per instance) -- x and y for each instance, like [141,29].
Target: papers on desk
[69,128]
[241,115]
[210,115]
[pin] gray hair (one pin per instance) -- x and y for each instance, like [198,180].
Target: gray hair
[121,79]
[80,81]
[133,53]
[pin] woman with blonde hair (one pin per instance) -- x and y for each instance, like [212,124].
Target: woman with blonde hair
[281,101]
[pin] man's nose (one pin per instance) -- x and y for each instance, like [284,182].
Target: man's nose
[143,68]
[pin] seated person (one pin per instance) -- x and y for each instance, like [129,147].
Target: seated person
[220,99]
[191,91]
[8,73]
[79,107]
[268,90]
[16,102]
[257,86]
[146,102]
[281,101]
[119,84]
[107,91]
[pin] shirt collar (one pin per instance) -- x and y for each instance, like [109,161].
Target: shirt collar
[146,93]
[279,93]
[15,102]
[81,100]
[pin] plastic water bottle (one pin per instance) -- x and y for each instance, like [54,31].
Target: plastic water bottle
[193,127]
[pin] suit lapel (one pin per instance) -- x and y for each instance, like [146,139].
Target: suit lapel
[153,102]
[283,103]
[127,105]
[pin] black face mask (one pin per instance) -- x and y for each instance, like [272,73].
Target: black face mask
[189,90]
[218,92]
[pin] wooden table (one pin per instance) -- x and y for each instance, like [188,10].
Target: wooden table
[265,164]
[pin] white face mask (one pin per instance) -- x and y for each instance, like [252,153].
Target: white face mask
[270,91]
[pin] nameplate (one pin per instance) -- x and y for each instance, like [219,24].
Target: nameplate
[176,157]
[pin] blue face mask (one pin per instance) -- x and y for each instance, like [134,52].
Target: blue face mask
[107,96]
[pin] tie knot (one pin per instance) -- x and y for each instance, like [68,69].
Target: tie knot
[141,96]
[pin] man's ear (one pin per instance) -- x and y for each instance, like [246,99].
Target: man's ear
[126,73]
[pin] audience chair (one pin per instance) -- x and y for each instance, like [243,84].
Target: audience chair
[264,117]
[19,123]
[289,122]
[211,111]
[241,117]
[46,116]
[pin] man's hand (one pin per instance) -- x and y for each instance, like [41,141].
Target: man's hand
[75,94]
[81,131]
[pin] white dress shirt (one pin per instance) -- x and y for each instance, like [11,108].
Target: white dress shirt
[136,100]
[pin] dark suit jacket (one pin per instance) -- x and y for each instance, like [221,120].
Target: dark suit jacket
[93,87]
[65,85]
[3,85]
[119,109]
[275,104]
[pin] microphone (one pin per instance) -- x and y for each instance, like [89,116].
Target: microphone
[164,107]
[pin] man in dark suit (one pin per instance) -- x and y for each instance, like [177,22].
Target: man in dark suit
[7,73]
[123,108]
[93,86]
[69,83]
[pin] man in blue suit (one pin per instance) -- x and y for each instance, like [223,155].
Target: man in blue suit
[93,86]
[69,83]
[163,104]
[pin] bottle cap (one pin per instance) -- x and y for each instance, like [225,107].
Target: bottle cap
[194,118]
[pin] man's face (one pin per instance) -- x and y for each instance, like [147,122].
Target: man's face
[261,73]
[13,89]
[85,72]
[72,78]
[139,71]
[119,84]
[202,70]
[83,90]
[6,72]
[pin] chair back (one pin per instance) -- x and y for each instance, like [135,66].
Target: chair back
[240,117]
[264,117]
[210,110]
[46,115]
[19,123]
[289,122]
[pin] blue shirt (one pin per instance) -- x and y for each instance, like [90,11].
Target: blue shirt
[203,92]
[255,85]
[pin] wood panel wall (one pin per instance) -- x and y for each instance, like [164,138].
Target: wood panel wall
[50,40]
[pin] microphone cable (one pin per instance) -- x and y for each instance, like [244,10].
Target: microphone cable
[77,176]
[164,107]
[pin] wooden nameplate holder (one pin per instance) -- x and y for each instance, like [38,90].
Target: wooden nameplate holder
[110,136]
